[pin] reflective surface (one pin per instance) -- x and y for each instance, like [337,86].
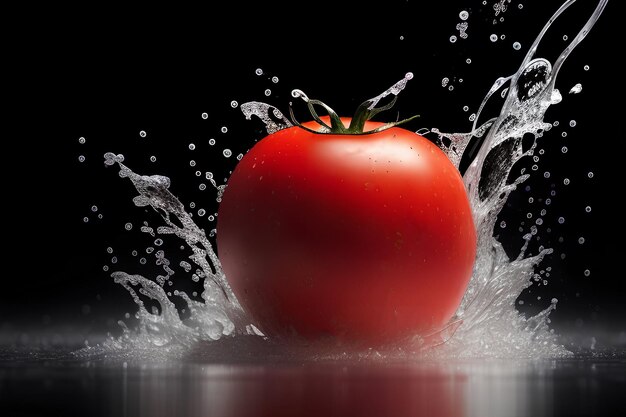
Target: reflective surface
[55,383]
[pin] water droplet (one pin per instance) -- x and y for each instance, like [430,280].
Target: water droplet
[517,46]
[465,108]
[564,149]
[224,129]
[566,181]
[452,39]
[581,240]
[587,272]
[234,104]
[258,71]
[463,15]
[81,158]
[128,226]
[590,174]
[572,123]
[493,37]
[205,115]
[275,80]
[561,220]
[81,140]
[586,67]
[192,163]
[211,142]
[153,158]
[142,133]
[227,153]
[588,209]
[268,92]
[192,147]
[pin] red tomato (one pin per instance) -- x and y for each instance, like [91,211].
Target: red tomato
[364,238]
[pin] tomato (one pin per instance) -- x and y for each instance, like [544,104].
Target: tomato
[362,238]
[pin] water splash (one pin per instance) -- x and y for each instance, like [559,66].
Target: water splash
[486,322]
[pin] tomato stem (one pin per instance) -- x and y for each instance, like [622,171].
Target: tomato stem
[364,112]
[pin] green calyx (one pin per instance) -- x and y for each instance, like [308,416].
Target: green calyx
[364,112]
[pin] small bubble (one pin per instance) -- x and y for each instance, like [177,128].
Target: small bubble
[517,46]
[542,151]
[81,140]
[81,158]
[472,117]
[234,104]
[534,167]
[109,250]
[548,202]
[450,87]
[531,200]
[227,153]
[202,187]
[114,260]
[565,37]
[520,6]
[240,157]
[153,158]
[142,261]
[142,133]
[100,216]
[564,149]
[543,211]
[463,15]
[493,37]
[581,240]
[452,39]
[529,215]
[445,81]
[556,123]
[588,209]
[205,115]
[275,80]
[460,80]
[268,92]
[465,108]
[539,222]
[561,220]
[94,208]
[258,71]
[211,217]
[224,129]
[192,163]
[590,174]
[502,224]
[105,268]
[586,67]
[192,147]
[566,181]
[158,242]
[198,173]
[502,37]
[128,226]
[192,205]
[201,212]
[86,219]
[546,174]
[587,272]
[208,175]
[211,141]
[401,37]
[149,249]
[564,134]
[468,61]
[572,123]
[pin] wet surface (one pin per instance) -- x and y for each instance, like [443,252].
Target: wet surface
[53,382]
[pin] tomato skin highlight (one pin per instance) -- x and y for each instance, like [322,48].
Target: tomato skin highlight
[362,238]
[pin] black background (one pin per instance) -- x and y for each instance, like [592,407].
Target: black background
[108,74]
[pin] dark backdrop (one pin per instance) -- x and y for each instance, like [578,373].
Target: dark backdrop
[107,75]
